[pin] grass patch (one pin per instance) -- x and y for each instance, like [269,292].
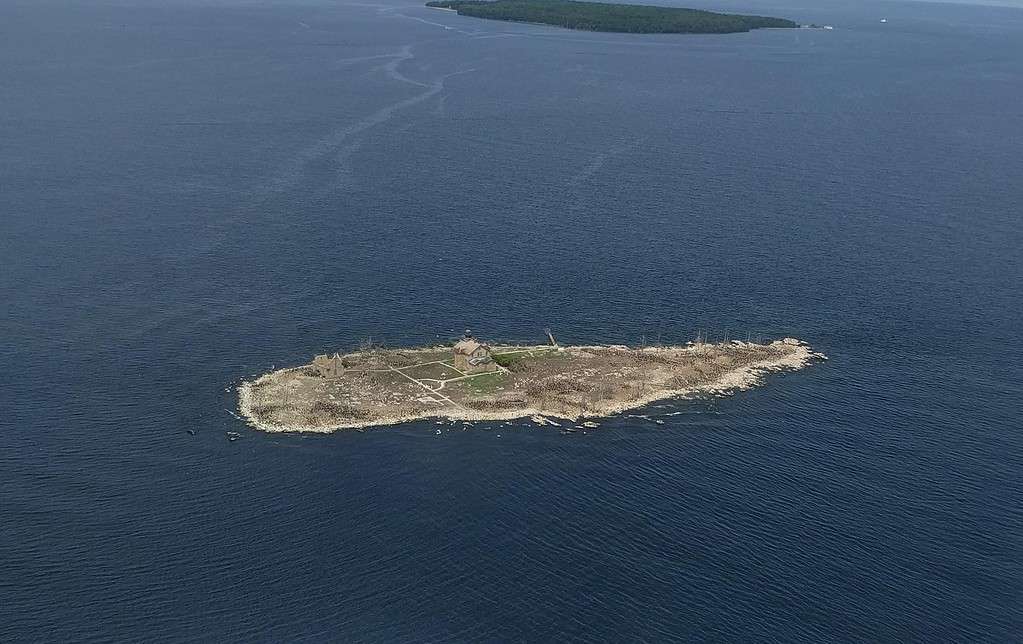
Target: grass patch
[434,371]
[486,383]
[506,360]
[515,360]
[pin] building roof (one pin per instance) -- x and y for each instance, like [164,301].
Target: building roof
[468,346]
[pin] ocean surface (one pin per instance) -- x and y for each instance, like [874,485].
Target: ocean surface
[194,192]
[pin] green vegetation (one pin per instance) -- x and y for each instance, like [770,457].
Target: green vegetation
[506,360]
[597,16]
[485,383]
[513,360]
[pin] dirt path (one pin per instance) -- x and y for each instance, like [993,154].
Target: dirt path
[426,387]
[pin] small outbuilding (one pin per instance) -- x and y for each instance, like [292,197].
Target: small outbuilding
[472,356]
[327,366]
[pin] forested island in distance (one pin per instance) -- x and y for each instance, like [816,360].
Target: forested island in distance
[598,16]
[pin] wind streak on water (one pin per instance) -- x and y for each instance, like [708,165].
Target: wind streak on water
[339,144]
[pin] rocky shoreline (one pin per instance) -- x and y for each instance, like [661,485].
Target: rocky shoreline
[388,387]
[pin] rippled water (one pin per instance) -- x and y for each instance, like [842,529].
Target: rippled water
[192,193]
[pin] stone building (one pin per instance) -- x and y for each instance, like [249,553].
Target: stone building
[472,356]
[328,366]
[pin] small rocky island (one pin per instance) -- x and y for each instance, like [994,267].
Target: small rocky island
[475,381]
[622,18]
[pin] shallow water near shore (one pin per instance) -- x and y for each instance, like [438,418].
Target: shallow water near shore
[193,194]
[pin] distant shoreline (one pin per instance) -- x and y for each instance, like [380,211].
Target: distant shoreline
[611,18]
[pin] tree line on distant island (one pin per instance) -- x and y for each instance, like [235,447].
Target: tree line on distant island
[598,16]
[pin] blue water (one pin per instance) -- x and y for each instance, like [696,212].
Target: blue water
[193,192]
